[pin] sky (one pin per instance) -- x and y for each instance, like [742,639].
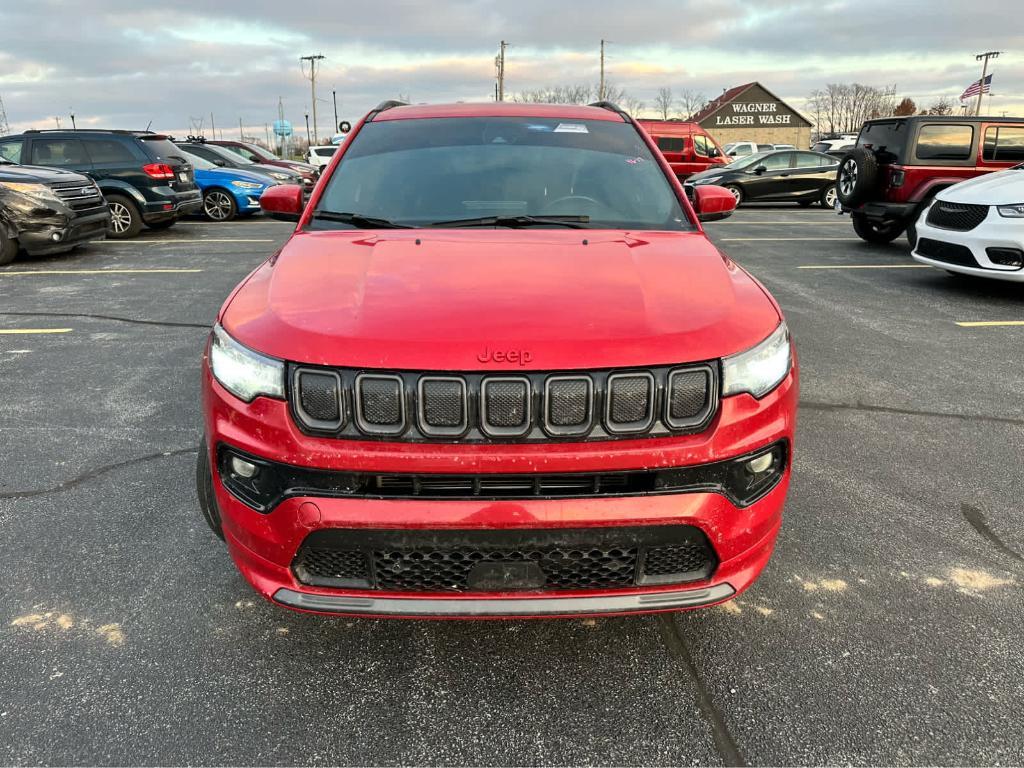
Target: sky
[129,63]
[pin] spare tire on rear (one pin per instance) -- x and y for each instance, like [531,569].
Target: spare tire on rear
[857,177]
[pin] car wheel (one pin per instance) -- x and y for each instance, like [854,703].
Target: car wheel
[857,176]
[8,249]
[737,192]
[163,224]
[875,232]
[219,205]
[125,220]
[204,489]
[828,197]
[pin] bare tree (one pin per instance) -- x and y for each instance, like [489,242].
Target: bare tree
[632,105]
[558,94]
[843,107]
[664,101]
[941,106]
[691,102]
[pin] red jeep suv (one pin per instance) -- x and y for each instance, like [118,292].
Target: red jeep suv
[498,370]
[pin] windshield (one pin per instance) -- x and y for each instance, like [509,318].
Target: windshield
[199,163]
[260,152]
[231,157]
[421,172]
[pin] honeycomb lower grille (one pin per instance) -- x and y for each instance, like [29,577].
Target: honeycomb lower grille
[951,253]
[504,561]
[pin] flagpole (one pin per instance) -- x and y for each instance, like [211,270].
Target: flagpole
[984,71]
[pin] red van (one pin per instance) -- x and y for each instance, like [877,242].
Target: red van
[688,148]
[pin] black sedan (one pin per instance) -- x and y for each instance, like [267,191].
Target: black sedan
[783,175]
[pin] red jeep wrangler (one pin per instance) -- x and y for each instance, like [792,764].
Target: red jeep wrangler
[901,163]
[498,370]
[687,147]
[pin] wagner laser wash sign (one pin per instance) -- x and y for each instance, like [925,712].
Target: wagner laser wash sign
[753,113]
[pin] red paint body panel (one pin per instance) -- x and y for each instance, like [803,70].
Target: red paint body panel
[447,300]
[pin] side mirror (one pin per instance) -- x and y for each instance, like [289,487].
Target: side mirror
[284,202]
[220,163]
[713,152]
[711,202]
[760,169]
[733,153]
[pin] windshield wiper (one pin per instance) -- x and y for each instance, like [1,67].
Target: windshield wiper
[358,220]
[573,222]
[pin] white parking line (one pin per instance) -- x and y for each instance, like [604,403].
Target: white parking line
[789,239]
[181,240]
[19,331]
[989,323]
[98,271]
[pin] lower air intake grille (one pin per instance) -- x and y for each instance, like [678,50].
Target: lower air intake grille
[504,561]
[951,253]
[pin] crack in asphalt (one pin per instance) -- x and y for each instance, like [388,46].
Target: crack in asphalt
[117,318]
[674,641]
[78,480]
[868,408]
[976,518]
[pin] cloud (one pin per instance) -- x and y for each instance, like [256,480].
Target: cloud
[124,63]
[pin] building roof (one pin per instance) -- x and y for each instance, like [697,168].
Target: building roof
[709,109]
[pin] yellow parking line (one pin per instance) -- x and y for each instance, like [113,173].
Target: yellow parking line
[98,271]
[990,323]
[174,241]
[865,266]
[11,331]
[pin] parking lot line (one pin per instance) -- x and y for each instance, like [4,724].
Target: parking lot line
[864,266]
[183,240]
[989,323]
[788,239]
[97,271]
[19,331]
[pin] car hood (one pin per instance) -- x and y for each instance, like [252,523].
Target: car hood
[447,300]
[1002,188]
[39,174]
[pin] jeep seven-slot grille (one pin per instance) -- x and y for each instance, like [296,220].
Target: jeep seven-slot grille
[958,216]
[478,407]
[504,561]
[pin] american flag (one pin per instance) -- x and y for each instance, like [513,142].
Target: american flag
[977,87]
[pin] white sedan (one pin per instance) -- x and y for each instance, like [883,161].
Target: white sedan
[976,227]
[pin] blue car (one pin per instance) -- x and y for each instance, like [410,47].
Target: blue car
[227,192]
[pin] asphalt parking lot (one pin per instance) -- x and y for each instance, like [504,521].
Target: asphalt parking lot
[887,628]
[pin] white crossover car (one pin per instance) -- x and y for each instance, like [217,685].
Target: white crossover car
[976,227]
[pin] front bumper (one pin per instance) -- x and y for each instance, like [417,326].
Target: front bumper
[994,232]
[264,545]
[57,233]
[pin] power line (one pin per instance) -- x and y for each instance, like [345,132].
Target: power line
[314,62]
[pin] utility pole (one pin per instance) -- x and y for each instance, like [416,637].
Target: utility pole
[74,127]
[314,62]
[213,127]
[5,127]
[984,73]
[241,135]
[600,88]
[266,131]
[499,65]
[334,95]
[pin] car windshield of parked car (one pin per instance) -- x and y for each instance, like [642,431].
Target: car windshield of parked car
[226,154]
[199,163]
[432,172]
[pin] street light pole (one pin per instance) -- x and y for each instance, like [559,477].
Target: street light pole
[307,129]
[334,95]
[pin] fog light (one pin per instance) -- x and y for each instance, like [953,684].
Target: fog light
[1006,257]
[243,468]
[761,464]
[55,237]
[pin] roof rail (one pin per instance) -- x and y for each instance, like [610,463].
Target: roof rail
[611,106]
[385,105]
[84,130]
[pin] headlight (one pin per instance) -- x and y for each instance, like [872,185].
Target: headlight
[708,180]
[761,369]
[243,372]
[35,190]
[246,184]
[281,176]
[1015,211]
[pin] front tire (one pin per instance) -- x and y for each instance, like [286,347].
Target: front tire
[125,219]
[737,192]
[874,232]
[204,490]
[219,205]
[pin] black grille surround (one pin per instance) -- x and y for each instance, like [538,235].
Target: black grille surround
[609,404]
[505,560]
[79,196]
[960,217]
